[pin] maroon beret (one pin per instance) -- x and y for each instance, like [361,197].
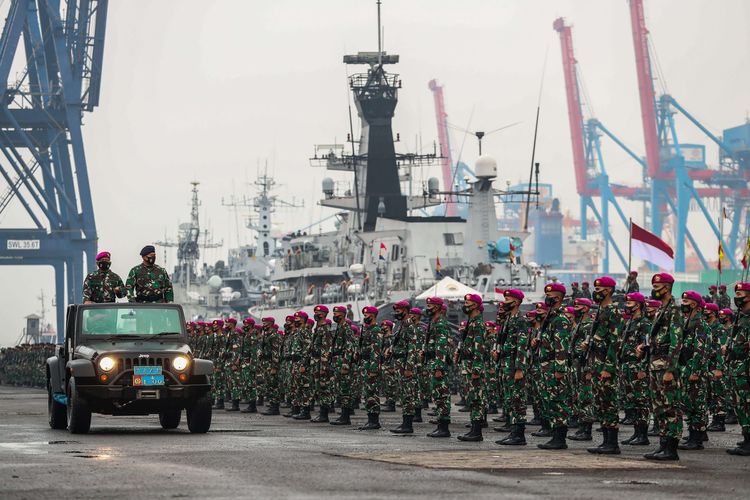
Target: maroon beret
[339,309]
[636,297]
[387,323]
[726,311]
[653,303]
[722,287]
[218,322]
[288,319]
[555,287]
[583,301]
[268,319]
[541,305]
[662,278]
[710,306]
[605,281]
[473,297]
[415,310]
[248,321]
[232,321]
[370,310]
[513,293]
[401,304]
[102,255]
[692,295]
[320,308]
[742,287]
[570,310]
[301,315]
[712,287]
[435,300]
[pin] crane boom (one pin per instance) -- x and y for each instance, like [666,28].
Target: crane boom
[446,161]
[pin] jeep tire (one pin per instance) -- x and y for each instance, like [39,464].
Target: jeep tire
[79,413]
[170,419]
[199,415]
[57,413]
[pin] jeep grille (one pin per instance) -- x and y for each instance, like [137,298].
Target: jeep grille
[129,363]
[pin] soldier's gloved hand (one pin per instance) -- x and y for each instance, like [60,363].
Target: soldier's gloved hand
[641,375]
[438,373]
[639,350]
[668,377]
[474,376]
[518,375]
[560,375]
[408,373]
[588,376]
[302,369]
[534,343]
[693,378]
[718,374]
[723,350]
[605,374]
[273,371]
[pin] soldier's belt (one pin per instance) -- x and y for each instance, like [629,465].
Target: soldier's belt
[399,355]
[295,357]
[660,351]
[429,355]
[547,358]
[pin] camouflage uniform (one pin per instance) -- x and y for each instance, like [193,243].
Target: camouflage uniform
[406,356]
[695,356]
[554,342]
[99,287]
[582,398]
[438,358]
[344,350]
[602,356]
[322,365]
[370,361]
[636,397]
[302,388]
[269,351]
[473,358]
[723,301]
[514,355]
[665,343]
[389,379]
[717,389]
[149,284]
[738,366]
[492,389]
[248,363]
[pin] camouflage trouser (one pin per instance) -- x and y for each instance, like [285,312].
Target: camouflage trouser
[555,397]
[534,386]
[247,383]
[371,382]
[285,380]
[583,396]
[696,412]
[425,390]
[605,399]
[325,386]
[635,395]
[475,396]
[234,381]
[741,399]
[408,390]
[344,383]
[492,384]
[302,389]
[514,398]
[260,376]
[219,387]
[717,396]
[667,404]
[271,386]
[441,392]
[390,382]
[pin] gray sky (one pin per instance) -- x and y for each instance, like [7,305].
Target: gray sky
[209,90]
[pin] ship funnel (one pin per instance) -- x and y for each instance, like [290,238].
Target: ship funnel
[328,187]
[485,167]
[433,186]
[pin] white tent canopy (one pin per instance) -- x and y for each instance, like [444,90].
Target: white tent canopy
[447,288]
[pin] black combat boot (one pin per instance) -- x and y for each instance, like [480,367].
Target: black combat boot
[475,433]
[631,438]
[654,431]
[662,446]
[272,409]
[573,423]
[343,418]
[609,446]
[373,422]
[743,448]
[304,414]
[669,452]
[583,433]
[461,402]
[545,430]
[492,409]
[442,430]
[517,436]
[641,436]
[260,401]
[629,418]
[558,440]
[405,427]
[418,415]
[717,424]
[536,419]
[251,407]
[432,413]
[294,410]
[219,404]
[506,427]
[235,406]
[322,416]
[731,418]
[389,406]
[425,404]
[694,441]
[464,409]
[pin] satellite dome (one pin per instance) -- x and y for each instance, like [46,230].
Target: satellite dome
[214,282]
[433,186]
[485,167]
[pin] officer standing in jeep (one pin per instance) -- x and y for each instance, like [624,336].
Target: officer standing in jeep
[102,285]
[148,282]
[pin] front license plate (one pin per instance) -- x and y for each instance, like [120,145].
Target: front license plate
[146,380]
[147,370]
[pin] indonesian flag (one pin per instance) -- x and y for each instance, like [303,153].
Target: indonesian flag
[746,254]
[721,254]
[381,253]
[437,265]
[651,248]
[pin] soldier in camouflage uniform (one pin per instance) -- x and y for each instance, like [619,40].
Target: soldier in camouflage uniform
[580,374]
[438,358]
[420,370]
[370,358]
[535,380]
[635,392]
[148,282]
[248,364]
[497,363]
[493,387]
[652,308]
[553,343]
[231,371]
[218,343]
[473,356]
[724,302]
[738,365]
[694,361]
[602,348]
[323,364]
[390,378]
[302,355]
[404,352]
[663,348]
[285,367]
[102,285]
[269,352]
[727,317]
[514,362]
[344,352]
[716,393]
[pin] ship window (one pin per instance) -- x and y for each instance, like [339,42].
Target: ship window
[265,248]
[453,239]
[394,252]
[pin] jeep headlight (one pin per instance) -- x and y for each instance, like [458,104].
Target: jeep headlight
[107,364]
[180,363]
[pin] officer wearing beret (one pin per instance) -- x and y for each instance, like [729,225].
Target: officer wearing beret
[148,282]
[738,359]
[102,285]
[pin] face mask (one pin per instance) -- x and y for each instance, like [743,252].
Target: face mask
[657,294]
[319,317]
[740,302]
[578,315]
[508,306]
[686,309]
[399,316]
[598,296]
[631,310]
[104,265]
[368,320]
[550,301]
[150,260]
[338,319]
[466,309]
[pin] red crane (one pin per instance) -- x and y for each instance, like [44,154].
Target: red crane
[645,88]
[446,161]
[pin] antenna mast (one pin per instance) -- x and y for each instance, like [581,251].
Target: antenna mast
[380,41]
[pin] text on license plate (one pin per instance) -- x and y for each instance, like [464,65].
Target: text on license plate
[144,380]
[147,370]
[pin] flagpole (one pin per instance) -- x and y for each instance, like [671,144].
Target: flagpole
[630,244]
[721,240]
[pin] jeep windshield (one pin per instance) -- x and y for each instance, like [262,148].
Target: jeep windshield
[131,322]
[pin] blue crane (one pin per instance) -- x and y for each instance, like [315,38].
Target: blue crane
[43,159]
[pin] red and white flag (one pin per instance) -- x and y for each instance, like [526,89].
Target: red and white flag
[651,248]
